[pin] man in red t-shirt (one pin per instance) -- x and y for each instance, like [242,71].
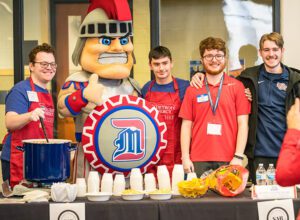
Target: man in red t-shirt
[215,118]
[288,165]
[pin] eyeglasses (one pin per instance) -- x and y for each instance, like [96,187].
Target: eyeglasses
[210,57]
[46,64]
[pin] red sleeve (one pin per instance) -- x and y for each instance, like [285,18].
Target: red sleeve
[288,164]
[243,106]
[186,110]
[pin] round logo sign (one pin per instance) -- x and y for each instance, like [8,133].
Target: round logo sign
[278,213]
[68,215]
[124,133]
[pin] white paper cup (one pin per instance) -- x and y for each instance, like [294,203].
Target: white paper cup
[150,182]
[162,169]
[135,171]
[81,187]
[191,176]
[107,183]
[177,176]
[136,179]
[119,184]
[163,177]
[93,182]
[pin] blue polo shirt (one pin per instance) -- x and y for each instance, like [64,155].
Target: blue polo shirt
[271,125]
[17,101]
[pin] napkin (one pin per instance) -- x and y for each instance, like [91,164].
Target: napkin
[36,196]
[63,192]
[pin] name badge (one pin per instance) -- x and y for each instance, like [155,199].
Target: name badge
[32,96]
[202,98]
[214,129]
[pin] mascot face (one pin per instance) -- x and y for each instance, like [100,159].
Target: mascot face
[109,57]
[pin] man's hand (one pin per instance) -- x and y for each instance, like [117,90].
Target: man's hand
[293,116]
[248,94]
[188,165]
[197,80]
[93,91]
[236,161]
[36,114]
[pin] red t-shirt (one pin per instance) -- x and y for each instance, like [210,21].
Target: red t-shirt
[196,108]
[288,164]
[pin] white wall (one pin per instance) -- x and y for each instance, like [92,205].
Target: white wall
[290,29]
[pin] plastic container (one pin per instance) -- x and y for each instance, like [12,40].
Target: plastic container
[271,175]
[261,175]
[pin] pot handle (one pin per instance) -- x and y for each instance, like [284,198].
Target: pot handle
[73,147]
[20,148]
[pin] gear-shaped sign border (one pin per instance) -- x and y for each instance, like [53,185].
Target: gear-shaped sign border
[93,123]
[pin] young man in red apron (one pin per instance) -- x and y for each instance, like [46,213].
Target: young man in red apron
[27,102]
[166,93]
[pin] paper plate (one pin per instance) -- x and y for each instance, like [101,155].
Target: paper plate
[133,197]
[98,197]
[161,196]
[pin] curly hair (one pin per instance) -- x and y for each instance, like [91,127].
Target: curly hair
[40,48]
[212,43]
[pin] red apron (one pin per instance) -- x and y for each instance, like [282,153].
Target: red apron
[168,105]
[32,130]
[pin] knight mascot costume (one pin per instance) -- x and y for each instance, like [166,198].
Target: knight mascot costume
[105,52]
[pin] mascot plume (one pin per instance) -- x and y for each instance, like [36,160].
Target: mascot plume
[105,52]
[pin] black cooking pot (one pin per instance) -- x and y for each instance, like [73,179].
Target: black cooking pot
[46,162]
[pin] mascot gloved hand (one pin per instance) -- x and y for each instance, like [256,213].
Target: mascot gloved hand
[93,89]
[104,49]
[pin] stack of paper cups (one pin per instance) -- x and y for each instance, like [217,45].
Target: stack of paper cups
[107,183]
[177,176]
[150,183]
[163,178]
[93,182]
[81,187]
[119,184]
[136,179]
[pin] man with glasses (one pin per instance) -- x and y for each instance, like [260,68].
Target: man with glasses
[27,103]
[215,117]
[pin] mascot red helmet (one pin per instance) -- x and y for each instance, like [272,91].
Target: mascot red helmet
[107,17]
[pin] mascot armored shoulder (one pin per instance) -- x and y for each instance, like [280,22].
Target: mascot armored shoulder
[105,52]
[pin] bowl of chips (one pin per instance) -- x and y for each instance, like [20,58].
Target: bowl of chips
[132,195]
[192,188]
[161,194]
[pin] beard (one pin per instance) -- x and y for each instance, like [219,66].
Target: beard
[214,71]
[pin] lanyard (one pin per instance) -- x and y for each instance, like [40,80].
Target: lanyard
[212,105]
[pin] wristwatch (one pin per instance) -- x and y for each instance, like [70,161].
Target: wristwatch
[238,157]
